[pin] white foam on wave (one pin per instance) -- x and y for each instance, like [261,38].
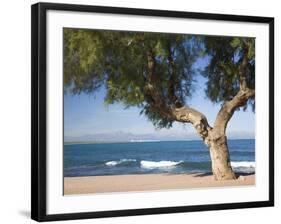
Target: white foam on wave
[243,164]
[160,164]
[117,162]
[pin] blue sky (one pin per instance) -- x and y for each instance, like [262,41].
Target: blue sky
[88,115]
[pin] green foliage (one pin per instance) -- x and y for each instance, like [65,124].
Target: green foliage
[153,71]
[120,61]
[235,42]
[225,56]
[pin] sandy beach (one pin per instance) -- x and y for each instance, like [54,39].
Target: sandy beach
[147,182]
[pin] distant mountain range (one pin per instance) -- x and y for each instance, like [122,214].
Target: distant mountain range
[121,136]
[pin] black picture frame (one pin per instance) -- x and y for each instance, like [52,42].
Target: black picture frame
[39,122]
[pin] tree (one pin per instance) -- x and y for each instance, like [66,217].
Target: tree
[156,72]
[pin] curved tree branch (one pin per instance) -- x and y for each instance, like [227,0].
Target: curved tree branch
[229,107]
[196,118]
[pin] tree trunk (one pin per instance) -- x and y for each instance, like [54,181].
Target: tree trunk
[221,166]
[214,138]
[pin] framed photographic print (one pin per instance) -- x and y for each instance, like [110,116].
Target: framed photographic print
[139,111]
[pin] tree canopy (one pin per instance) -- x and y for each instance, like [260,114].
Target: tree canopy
[156,71]
[222,72]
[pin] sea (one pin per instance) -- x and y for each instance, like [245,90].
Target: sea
[149,157]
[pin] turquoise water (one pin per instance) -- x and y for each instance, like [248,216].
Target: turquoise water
[151,157]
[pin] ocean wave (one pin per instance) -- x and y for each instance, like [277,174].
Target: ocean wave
[241,166]
[160,164]
[244,166]
[205,165]
[118,162]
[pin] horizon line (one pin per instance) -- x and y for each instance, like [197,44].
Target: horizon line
[142,141]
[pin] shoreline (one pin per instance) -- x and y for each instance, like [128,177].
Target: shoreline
[148,182]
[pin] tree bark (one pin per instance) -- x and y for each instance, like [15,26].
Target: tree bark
[214,138]
[197,119]
[220,158]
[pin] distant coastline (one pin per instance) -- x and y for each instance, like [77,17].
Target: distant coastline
[123,136]
[141,141]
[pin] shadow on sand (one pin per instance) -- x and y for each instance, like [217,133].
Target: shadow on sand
[210,174]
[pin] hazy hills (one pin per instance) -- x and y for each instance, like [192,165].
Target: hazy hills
[121,136]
